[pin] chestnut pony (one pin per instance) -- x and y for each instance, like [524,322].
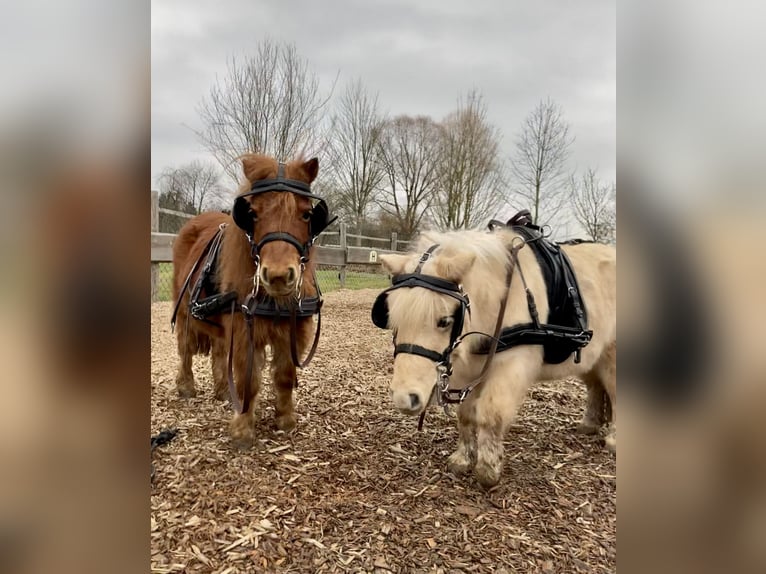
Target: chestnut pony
[256,288]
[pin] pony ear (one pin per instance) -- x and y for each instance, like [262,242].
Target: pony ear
[455,267]
[311,167]
[394,263]
[250,166]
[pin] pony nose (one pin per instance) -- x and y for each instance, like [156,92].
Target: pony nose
[286,275]
[414,401]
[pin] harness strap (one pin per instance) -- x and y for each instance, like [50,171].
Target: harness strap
[531,334]
[241,407]
[294,338]
[187,281]
[233,394]
[478,381]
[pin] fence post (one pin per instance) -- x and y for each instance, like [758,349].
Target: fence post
[343,245]
[394,237]
[155,227]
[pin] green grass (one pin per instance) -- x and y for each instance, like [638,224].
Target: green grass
[328,280]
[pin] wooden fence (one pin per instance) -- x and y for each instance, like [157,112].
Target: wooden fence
[339,255]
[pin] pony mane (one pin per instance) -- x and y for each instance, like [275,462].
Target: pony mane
[491,249]
[420,306]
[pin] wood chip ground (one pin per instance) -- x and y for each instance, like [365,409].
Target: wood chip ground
[356,488]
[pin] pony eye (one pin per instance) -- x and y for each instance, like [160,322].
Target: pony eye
[306,215]
[445,322]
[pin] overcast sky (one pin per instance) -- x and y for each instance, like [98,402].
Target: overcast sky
[419,56]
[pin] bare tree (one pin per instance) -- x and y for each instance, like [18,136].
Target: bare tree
[410,156]
[267,103]
[593,206]
[191,187]
[354,152]
[471,171]
[539,166]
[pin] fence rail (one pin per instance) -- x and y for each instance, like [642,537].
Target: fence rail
[176,213]
[341,255]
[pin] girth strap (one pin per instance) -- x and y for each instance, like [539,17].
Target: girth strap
[531,334]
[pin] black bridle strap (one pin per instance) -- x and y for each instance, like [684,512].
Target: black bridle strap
[425,257]
[418,350]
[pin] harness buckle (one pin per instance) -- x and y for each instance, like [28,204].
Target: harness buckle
[442,384]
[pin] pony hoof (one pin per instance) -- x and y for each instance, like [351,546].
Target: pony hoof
[186,391]
[242,431]
[486,475]
[286,422]
[221,394]
[610,442]
[458,465]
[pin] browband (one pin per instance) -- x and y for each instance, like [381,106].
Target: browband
[281,184]
[429,282]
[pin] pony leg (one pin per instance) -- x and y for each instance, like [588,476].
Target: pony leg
[284,377]
[607,373]
[242,425]
[218,358]
[186,350]
[594,411]
[496,409]
[464,457]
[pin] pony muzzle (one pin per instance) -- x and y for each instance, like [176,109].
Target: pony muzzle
[279,281]
[410,403]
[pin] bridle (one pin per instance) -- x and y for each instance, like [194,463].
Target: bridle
[438,285]
[443,360]
[241,213]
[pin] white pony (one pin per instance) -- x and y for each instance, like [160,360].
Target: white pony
[475,263]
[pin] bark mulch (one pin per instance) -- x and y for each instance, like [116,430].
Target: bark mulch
[356,488]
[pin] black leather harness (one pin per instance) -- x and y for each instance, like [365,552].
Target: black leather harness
[564,333]
[566,328]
